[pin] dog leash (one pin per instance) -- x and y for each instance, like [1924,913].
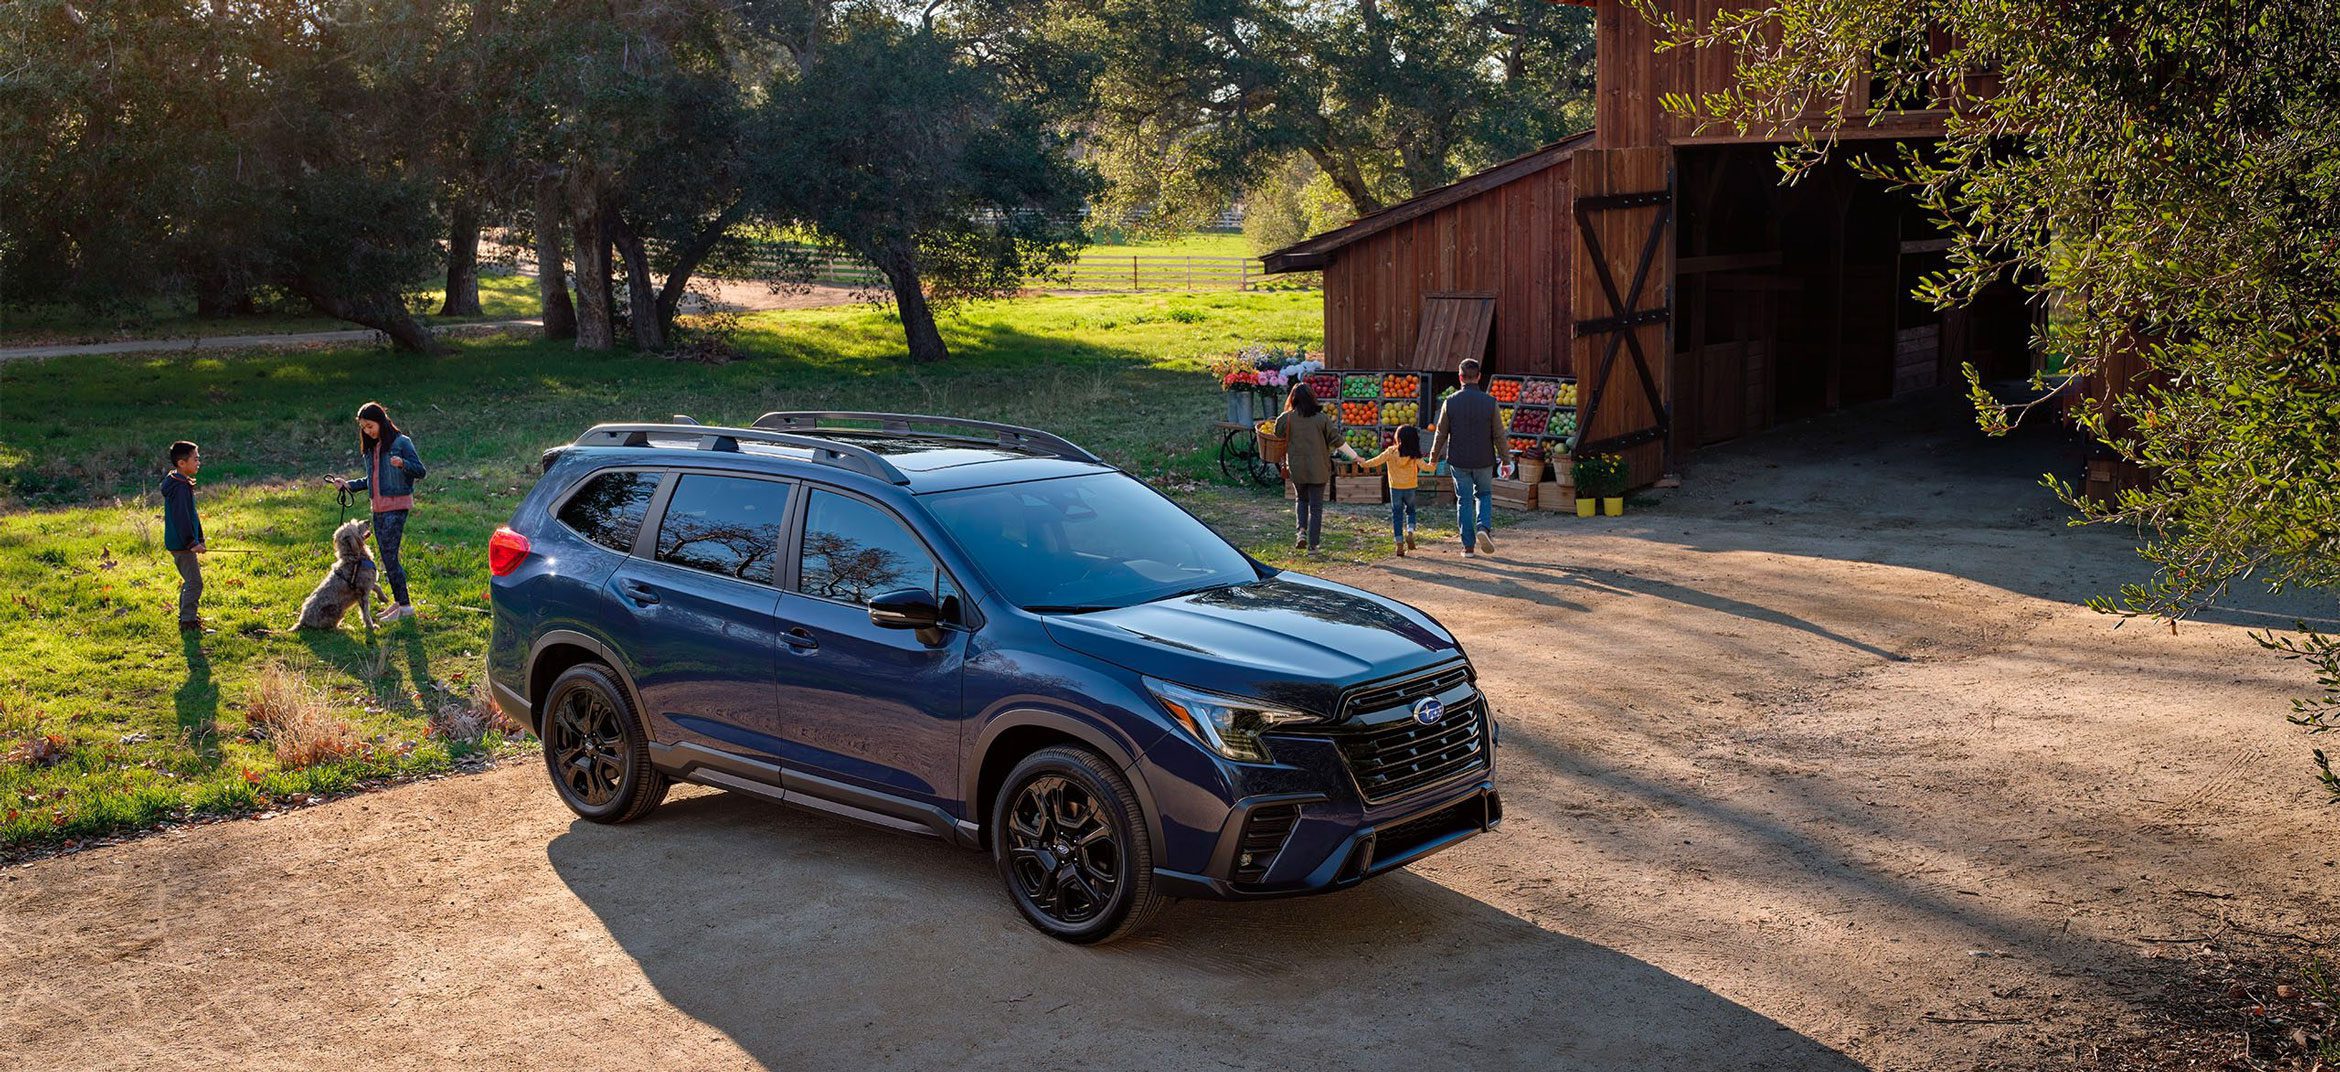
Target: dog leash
[344,496]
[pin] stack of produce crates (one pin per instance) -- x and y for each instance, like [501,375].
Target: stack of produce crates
[1537,411]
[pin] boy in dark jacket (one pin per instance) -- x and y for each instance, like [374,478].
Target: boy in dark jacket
[183,531]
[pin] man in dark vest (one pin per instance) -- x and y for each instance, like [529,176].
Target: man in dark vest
[1470,441]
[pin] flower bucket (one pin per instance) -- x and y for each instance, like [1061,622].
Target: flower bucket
[1613,507]
[1239,407]
[1585,507]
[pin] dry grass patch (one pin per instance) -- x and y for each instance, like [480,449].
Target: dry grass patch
[296,718]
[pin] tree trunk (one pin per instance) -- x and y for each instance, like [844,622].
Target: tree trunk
[385,313]
[462,262]
[926,344]
[641,300]
[688,259]
[1348,180]
[552,254]
[595,329]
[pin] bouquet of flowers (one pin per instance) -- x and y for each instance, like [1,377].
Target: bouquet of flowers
[1265,367]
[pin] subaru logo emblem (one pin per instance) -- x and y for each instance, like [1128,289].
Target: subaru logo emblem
[1428,710]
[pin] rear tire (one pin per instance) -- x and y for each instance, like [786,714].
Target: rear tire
[595,750]
[1070,840]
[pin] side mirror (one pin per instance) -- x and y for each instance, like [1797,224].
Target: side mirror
[908,608]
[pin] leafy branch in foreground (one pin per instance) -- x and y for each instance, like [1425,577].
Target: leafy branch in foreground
[2166,173]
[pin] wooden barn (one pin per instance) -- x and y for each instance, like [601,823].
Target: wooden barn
[1693,297]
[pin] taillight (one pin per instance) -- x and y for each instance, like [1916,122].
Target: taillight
[506,550]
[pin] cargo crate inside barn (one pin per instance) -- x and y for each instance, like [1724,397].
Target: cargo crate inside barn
[1693,298]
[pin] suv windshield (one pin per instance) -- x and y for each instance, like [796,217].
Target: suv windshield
[1086,543]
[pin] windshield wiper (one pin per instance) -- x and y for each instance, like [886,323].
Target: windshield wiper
[1070,608]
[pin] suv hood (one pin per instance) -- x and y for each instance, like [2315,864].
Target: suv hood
[1287,640]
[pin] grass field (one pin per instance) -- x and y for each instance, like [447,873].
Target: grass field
[1198,244]
[109,720]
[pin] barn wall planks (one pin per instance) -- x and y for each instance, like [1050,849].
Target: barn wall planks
[1634,77]
[1513,241]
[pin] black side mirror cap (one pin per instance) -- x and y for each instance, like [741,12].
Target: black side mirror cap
[908,608]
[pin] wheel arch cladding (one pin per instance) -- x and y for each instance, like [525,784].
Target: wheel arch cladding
[1020,734]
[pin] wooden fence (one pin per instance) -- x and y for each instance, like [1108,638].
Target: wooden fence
[1089,272]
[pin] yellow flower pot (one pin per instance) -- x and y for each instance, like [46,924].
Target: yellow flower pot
[1585,507]
[1613,507]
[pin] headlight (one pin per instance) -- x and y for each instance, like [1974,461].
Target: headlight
[1229,725]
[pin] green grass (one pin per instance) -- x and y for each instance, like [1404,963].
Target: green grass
[501,297]
[1198,244]
[154,728]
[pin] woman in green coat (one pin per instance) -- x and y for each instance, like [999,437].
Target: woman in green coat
[1312,436]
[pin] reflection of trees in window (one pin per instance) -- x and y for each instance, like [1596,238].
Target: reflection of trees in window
[718,545]
[609,510]
[840,567]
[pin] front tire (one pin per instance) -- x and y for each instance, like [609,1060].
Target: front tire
[595,750]
[1071,844]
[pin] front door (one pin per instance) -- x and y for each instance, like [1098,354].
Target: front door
[872,707]
[703,608]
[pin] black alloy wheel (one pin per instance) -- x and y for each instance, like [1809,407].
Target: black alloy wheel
[1071,844]
[1062,850]
[595,750]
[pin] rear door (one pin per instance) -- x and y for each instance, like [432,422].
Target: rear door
[701,595]
[872,707]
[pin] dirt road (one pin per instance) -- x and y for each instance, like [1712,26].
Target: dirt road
[1816,766]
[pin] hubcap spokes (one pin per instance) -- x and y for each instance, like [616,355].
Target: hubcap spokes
[589,749]
[1062,850]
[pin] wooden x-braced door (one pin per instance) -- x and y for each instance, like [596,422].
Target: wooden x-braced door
[1621,283]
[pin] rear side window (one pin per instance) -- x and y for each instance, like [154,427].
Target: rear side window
[608,510]
[724,525]
[854,552]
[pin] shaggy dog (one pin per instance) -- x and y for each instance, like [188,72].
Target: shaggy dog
[346,585]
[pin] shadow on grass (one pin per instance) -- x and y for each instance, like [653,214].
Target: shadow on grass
[749,917]
[197,701]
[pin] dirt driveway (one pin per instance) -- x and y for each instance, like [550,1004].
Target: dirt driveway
[1816,766]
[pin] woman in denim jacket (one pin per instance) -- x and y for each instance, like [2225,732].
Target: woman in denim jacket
[392,467]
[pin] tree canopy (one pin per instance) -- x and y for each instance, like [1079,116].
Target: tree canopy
[1387,98]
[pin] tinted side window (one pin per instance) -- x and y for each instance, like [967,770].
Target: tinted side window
[724,525]
[608,509]
[854,551]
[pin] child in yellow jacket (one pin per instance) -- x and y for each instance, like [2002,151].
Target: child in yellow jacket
[1406,466]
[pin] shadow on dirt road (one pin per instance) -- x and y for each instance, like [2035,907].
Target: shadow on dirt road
[812,943]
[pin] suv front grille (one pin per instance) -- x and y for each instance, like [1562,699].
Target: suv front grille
[1383,695]
[1264,833]
[1395,758]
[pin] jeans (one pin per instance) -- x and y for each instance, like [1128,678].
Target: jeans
[190,582]
[1474,486]
[1308,511]
[1401,512]
[389,532]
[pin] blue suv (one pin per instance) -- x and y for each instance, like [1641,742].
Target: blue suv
[983,633]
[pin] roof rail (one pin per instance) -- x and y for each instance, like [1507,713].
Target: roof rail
[1009,436]
[828,452]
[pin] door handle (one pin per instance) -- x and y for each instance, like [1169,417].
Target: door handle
[801,640]
[638,592]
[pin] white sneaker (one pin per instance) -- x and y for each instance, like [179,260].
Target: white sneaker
[394,613]
[1486,540]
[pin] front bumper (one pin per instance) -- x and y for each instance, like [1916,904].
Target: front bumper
[1328,850]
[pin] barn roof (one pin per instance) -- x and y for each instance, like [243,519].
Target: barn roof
[1313,252]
